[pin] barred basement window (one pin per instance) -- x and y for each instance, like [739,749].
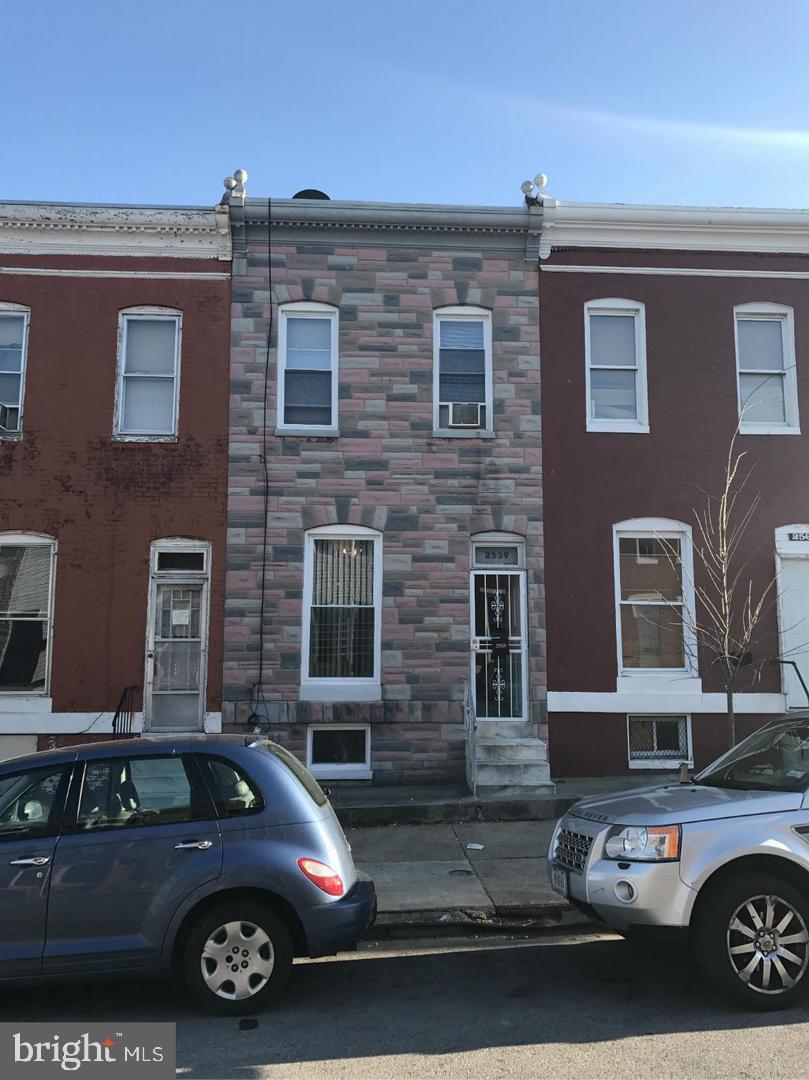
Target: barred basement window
[655,739]
[342,607]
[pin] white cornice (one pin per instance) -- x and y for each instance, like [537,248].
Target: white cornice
[79,229]
[330,213]
[684,228]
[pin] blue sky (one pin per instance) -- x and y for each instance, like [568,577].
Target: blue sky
[699,101]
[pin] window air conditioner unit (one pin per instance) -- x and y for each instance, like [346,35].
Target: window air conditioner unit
[464,414]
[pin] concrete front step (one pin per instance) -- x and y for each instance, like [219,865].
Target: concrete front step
[525,750]
[510,773]
[504,729]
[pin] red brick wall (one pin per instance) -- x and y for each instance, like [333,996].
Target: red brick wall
[104,501]
[594,480]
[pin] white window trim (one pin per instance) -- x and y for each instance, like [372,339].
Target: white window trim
[464,311]
[660,763]
[19,697]
[320,689]
[784,315]
[308,310]
[7,308]
[177,577]
[353,771]
[657,529]
[146,312]
[619,306]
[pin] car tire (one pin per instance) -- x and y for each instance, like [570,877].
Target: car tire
[751,940]
[237,958]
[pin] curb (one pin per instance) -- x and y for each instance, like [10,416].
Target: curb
[453,811]
[437,922]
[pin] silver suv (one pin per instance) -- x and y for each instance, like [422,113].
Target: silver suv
[722,859]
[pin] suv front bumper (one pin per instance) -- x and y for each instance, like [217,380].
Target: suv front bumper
[623,894]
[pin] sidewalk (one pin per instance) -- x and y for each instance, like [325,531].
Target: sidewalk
[427,876]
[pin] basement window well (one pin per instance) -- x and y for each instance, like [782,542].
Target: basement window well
[339,753]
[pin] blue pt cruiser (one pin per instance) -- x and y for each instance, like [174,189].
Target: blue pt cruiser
[218,857]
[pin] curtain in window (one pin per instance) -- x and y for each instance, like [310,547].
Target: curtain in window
[25,574]
[341,642]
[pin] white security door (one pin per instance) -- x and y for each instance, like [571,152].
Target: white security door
[499,645]
[177,637]
[176,659]
[793,616]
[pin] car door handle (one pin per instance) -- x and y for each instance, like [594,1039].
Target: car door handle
[194,845]
[38,860]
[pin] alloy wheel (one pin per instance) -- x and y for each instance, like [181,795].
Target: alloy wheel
[237,960]
[768,944]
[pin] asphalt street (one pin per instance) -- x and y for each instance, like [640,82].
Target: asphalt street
[583,1006]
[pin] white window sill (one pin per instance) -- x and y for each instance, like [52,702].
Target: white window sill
[658,682]
[768,429]
[125,438]
[312,432]
[341,690]
[463,433]
[341,772]
[625,427]
[25,703]
[10,436]
[672,764]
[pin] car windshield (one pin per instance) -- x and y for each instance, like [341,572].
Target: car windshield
[773,759]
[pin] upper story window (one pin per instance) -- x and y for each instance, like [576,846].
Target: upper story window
[13,350]
[615,359]
[462,370]
[654,597]
[765,370]
[26,599]
[342,610]
[307,369]
[148,374]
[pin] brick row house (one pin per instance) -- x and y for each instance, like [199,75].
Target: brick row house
[385,581]
[114,328]
[660,328]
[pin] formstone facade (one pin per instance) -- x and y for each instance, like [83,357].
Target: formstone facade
[385,269]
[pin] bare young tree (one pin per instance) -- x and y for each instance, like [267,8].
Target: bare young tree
[726,621]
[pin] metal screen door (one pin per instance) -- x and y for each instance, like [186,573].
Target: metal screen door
[498,647]
[174,675]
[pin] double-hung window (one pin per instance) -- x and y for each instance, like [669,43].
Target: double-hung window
[307,369]
[148,374]
[615,365]
[342,614]
[765,370]
[26,591]
[654,597]
[462,362]
[13,349]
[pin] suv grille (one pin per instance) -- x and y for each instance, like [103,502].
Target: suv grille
[572,849]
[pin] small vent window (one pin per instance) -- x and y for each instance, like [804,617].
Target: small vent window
[658,738]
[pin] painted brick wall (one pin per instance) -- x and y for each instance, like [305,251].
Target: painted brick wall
[427,495]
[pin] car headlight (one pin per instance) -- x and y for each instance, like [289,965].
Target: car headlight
[652,843]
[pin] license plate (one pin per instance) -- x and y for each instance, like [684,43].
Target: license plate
[559,880]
